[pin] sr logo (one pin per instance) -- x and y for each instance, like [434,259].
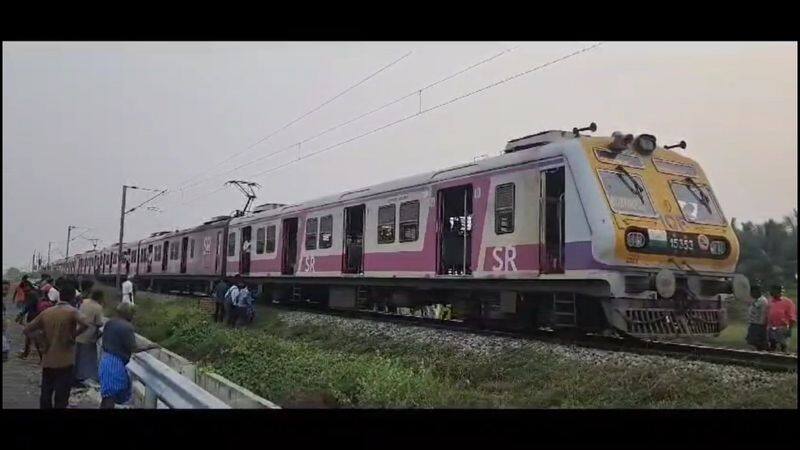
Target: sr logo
[307,264]
[504,259]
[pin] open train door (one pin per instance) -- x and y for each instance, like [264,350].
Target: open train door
[353,256]
[244,255]
[455,230]
[184,250]
[165,256]
[551,220]
[289,246]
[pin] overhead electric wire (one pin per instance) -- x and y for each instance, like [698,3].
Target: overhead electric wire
[146,201]
[440,105]
[303,116]
[348,122]
[411,116]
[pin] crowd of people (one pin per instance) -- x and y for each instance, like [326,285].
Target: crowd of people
[233,301]
[770,320]
[64,328]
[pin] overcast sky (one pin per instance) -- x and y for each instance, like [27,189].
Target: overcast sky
[81,119]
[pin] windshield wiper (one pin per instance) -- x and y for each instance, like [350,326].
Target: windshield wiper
[699,195]
[636,189]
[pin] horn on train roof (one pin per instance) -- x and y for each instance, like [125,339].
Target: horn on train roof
[577,131]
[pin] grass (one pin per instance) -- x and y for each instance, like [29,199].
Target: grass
[309,365]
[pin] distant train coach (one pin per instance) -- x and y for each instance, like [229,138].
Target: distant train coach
[562,230]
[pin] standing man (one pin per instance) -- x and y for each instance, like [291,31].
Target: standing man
[244,304]
[757,319]
[86,349]
[60,325]
[119,343]
[127,290]
[6,345]
[219,300]
[782,316]
[230,300]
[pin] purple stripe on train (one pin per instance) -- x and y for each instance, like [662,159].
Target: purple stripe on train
[577,256]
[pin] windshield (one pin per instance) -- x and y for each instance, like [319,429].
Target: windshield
[697,203]
[626,193]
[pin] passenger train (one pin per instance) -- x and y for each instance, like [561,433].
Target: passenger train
[561,230]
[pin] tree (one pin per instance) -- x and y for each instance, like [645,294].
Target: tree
[768,251]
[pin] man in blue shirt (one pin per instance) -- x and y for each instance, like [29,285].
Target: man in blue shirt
[230,299]
[244,304]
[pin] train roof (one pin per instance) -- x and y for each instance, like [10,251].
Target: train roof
[508,158]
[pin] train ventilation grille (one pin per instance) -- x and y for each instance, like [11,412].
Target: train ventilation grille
[667,321]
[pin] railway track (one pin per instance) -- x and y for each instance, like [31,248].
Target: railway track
[720,355]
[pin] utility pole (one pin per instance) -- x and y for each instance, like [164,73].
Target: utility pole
[122,221]
[33,260]
[48,252]
[121,231]
[69,232]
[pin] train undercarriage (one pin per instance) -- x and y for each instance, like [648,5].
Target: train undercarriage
[572,305]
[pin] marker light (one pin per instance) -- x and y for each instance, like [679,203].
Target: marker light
[718,247]
[635,239]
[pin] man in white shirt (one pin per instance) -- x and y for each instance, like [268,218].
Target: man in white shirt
[53,295]
[127,290]
[230,299]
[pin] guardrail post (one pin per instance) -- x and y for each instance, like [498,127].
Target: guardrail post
[150,398]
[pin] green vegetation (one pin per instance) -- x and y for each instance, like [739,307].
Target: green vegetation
[768,251]
[312,366]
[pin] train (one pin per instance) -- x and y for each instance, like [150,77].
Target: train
[561,230]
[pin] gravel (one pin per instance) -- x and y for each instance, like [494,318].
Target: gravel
[469,343]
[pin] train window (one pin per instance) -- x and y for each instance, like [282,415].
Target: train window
[260,240]
[271,239]
[386,220]
[409,221]
[173,251]
[626,158]
[191,249]
[626,193]
[113,258]
[232,244]
[504,208]
[311,234]
[697,203]
[158,252]
[674,168]
[326,231]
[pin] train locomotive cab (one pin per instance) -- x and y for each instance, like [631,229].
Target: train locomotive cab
[670,254]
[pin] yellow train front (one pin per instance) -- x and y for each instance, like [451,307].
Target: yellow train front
[669,254]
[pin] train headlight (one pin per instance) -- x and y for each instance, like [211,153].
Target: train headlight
[645,143]
[635,239]
[718,248]
[665,283]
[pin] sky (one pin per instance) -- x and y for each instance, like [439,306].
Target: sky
[82,119]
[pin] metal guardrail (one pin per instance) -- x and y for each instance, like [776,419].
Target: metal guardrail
[163,383]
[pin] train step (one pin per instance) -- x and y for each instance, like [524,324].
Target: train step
[564,311]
